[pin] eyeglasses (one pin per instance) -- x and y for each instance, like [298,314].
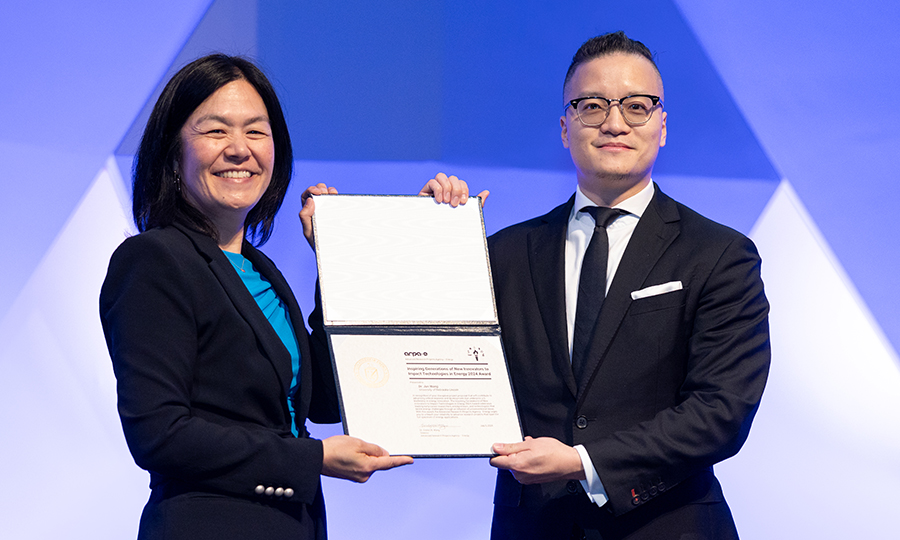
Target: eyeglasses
[636,110]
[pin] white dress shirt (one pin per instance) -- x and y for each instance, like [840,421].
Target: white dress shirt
[578,236]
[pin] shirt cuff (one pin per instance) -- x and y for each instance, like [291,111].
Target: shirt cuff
[591,483]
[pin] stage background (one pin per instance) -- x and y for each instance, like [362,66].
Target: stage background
[782,124]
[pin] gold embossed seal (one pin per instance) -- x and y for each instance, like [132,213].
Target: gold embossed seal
[371,372]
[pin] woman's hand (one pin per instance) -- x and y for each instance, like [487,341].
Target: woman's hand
[449,189]
[354,459]
[309,207]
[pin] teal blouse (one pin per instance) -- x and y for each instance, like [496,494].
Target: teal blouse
[276,312]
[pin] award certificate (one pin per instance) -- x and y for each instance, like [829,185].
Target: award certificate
[418,395]
[412,327]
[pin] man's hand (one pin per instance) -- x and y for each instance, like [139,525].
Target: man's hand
[449,189]
[309,207]
[540,460]
[354,459]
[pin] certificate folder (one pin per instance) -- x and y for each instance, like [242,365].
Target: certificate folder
[412,325]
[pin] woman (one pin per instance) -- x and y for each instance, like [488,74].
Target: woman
[216,374]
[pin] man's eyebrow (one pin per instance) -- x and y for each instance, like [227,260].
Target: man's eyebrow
[217,118]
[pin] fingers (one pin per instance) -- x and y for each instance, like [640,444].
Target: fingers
[372,450]
[318,189]
[507,454]
[538,460]
[306,214]
[370,464]
[309,208]
[380,459]
[484,195]
[353,459]
[506,449]
[446,189]
[389,462]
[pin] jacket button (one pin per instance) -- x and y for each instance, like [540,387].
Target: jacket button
[260,489]
[653,491]
[288,492]
[572,486]
[636,501]
[581,422]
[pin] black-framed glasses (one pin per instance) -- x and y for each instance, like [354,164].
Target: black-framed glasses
[594,110]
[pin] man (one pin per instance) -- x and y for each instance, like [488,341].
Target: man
[627,401]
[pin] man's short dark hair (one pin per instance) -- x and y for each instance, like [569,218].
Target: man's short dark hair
[615,42]
[157,200]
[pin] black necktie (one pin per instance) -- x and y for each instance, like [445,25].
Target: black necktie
[592,284]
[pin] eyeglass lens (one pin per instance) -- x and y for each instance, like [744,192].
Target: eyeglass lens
[635,109]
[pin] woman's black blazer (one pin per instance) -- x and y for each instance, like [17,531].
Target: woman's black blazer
[202,382]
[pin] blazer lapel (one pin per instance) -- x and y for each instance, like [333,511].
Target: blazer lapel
[245,304]
[283,290]
[655,231]
[546,252]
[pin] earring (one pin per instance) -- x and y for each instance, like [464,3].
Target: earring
[177,176]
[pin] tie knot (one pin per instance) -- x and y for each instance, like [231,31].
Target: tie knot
[603,215]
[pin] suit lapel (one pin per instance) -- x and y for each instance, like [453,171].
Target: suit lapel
[655,231]
[283,290]
[244,302]
[546,252]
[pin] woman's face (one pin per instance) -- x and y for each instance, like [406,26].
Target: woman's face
[227,154]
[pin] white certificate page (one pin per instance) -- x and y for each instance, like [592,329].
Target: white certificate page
[426,395]
[402,260]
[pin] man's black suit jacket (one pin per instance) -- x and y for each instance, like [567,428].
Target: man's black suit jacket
[672,380]
[202,382]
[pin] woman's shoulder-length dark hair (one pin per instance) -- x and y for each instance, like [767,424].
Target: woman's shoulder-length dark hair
[157,200]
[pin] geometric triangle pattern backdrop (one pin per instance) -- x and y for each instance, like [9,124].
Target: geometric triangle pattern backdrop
[778,123]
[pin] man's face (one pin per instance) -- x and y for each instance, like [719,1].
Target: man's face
[613,160]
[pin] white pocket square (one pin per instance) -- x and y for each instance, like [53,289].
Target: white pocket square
[655,290]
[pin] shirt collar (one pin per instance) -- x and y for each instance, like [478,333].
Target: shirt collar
[636,204]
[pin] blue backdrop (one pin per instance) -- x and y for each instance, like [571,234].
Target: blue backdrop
[780,125]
